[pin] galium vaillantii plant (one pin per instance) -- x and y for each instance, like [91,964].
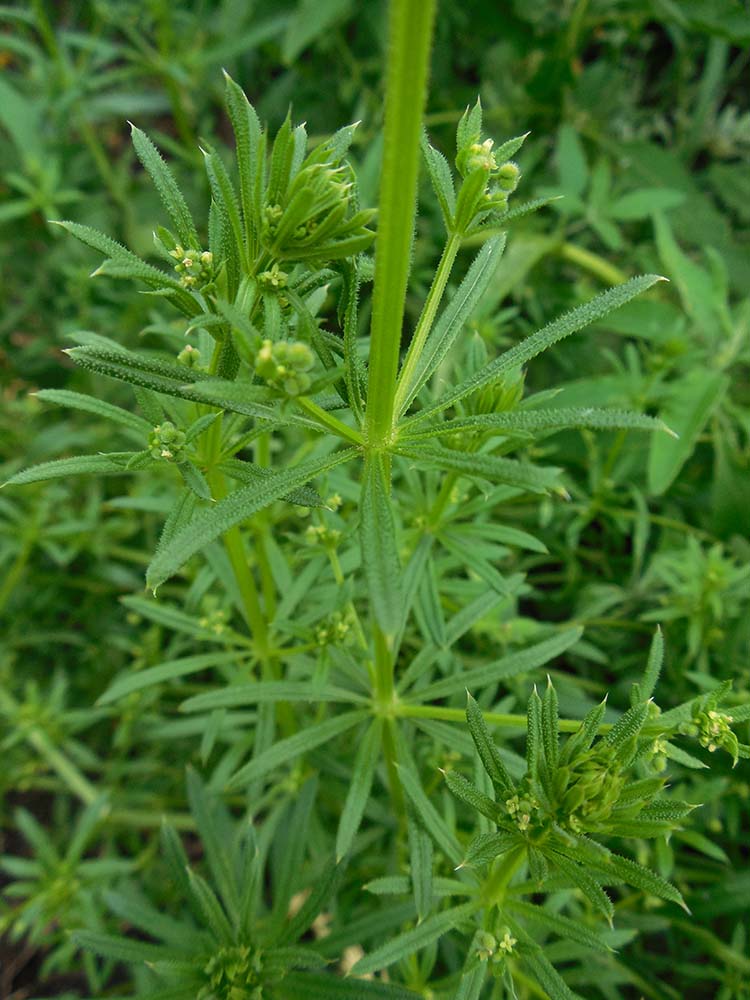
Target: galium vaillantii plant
[262,371]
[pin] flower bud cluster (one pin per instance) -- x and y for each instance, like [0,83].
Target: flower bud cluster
[190,356]
[523,809]
[273,280]
[334,631]
[167,441]
[284,366]
[713,731]
[194,266]
[316,212]
[321,534]
[233,973]
[489,947]
[588,789]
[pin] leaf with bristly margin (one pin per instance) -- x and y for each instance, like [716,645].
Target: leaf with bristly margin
[360,784]
[534,344]
[289,749]
[379,547]
[492,468]
[573,930]
[121,263]
[642,878]
[550,727]
[212,820]
[247,136]
[406,944]
[469,125]
[645,687]
[128,683]
[528,421]
[585,735]
[430,818]
[223,193]
[211,523]
[420,864]
[116,463]
[453,318]
[126,950]
[331,987]
[485,847]
[170,194]
[268,691]
[208,903]
[195,480]
[471,796]
[553,984]
[582,880]
[89,404]
[627,726]
[471,983]
[247,473]
[441,179]
[533,733]
[512,665]
[487,750]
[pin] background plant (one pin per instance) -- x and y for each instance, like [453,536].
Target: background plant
[597,569]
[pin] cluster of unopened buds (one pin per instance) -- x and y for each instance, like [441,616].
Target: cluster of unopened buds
[284,365]
[502,178]
[489,948]
[521,809]
[190,356]
[233,973]
[167,442]
[194,266]
[215,621]
[321,534]
[334,631]
[713,731]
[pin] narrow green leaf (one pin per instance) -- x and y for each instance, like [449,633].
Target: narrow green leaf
[636,875]
[289,749]
[653,667]
[126,950]
[421,865]
[508,666]
[529,421]
[247,135]
[550,726]
[533,733]
[441,179]
[582,880]
[170,194]
[430,818]
[318,987]
[238,506]
[268,691]
[562,926]
[533,345]
[130,682]
[467,793]
[113,464]
[360,784]
[492,468]
[379,548]
[80,401]
[209,813]
[407,944]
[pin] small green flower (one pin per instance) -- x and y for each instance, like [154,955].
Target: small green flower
[167,442]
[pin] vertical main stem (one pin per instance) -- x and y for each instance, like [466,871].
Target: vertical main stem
[410,40]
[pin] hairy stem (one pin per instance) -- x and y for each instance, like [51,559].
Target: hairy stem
[410,38]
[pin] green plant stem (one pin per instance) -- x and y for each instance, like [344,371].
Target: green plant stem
[425,322]
[501,874]
[385,701]
[410,38]
[331,423]
[592,263]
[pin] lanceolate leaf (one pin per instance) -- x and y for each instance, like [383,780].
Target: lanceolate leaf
[100,465]
[527,421]
[493,468]
[289,749]
[210,523]
[170,194]
[379,549]
[90,404]
[331,987]
[551,334]
[360,784]
[508,666]
[406,944]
